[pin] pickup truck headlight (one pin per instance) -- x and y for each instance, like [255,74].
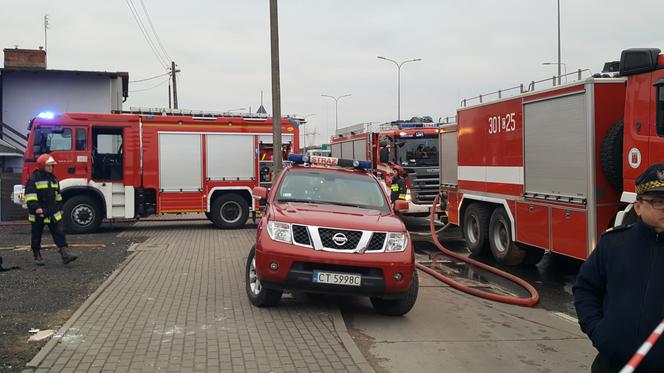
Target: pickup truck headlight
[395,242]
[280,232]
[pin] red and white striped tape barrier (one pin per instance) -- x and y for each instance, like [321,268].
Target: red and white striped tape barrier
[644,349]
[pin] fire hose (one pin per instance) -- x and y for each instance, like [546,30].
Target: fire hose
[634,362]
[527,302]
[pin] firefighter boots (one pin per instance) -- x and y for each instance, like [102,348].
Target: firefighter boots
[67,257]
[38,258]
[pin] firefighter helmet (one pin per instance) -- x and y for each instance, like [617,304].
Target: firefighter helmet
[45,160]
[398,169]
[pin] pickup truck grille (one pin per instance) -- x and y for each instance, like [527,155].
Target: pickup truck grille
[327,237]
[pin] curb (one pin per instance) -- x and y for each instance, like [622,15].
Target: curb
[50,345]
[347,340]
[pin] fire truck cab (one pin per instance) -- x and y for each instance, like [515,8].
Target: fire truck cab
[412,145]
[551,170]
[133,165]
[317,237]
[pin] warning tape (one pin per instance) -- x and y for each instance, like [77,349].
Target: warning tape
[644,349]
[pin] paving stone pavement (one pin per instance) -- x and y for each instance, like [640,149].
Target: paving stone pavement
[179,304]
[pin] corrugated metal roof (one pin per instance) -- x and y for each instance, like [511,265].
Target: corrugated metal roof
[6,150]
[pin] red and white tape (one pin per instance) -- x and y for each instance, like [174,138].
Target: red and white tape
[644,349]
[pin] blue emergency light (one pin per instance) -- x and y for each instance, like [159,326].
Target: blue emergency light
[297,158]
[46,115]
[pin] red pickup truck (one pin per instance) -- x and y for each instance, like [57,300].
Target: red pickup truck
[329,227]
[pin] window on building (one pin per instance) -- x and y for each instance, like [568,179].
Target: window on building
[81,139]
[48,140]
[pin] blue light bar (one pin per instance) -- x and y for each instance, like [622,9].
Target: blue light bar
[362,164]
[46,115]
[297,158]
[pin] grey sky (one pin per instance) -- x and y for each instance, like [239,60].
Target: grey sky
[330,47]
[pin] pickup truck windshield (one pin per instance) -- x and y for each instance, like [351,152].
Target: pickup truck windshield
[336,188]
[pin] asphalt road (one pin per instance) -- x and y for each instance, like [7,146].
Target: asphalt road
[553,277]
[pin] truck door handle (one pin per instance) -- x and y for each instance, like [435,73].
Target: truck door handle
[71,170]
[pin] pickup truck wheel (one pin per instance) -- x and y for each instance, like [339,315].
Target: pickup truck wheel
[81,214]
[258,295]
[503,247]
[476,228]
[398,307]
[229,211]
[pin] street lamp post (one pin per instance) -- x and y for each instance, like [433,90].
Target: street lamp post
[559,63]
[564,65]
[304,133]
[399,64]
[336,109]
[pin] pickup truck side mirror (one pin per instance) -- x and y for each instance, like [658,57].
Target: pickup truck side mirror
[400,205]
[260,193]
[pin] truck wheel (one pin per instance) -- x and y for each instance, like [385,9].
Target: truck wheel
[476,227]
[398,307]
[81,214]
[229,211]
[258,295]
[612,155]
[503,247]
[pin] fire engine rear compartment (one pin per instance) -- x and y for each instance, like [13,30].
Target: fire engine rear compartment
[193,165]
[565,202]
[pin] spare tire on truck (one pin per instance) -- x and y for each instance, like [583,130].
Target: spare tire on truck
[612,155]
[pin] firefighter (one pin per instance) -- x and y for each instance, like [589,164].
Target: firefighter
[42,195]
[619,293]
[398,184]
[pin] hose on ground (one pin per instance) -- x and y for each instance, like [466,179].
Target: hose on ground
[527,302]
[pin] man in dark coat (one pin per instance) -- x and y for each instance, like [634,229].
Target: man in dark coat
[619,293]
[42,195]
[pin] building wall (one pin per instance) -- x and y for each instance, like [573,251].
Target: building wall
[25,94]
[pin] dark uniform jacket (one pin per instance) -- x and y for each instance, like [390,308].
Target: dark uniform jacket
[619,294]
[398,188]
[43,191]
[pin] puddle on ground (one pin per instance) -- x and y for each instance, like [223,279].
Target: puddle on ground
[461,272]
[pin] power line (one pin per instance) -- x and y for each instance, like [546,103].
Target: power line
[150,78]
[145,34]
[154,31]
[153,87]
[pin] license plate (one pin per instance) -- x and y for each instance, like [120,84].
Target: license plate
[337,278]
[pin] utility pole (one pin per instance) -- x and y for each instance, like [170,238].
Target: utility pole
[559,81]
[170,106]
[45,38]
[174,71]
[276,90]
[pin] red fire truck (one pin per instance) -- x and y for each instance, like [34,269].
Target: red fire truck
[411,144]
[140,163]
[551,170]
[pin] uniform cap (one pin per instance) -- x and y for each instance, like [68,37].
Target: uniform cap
[651,180]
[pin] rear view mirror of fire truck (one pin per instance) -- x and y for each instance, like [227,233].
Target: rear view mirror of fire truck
[400,205]
[260,193]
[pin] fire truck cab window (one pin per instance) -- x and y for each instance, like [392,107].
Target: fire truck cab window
[385,149]
[417,151]
[49,140]
[660,110]
[107,154]
[81,139]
